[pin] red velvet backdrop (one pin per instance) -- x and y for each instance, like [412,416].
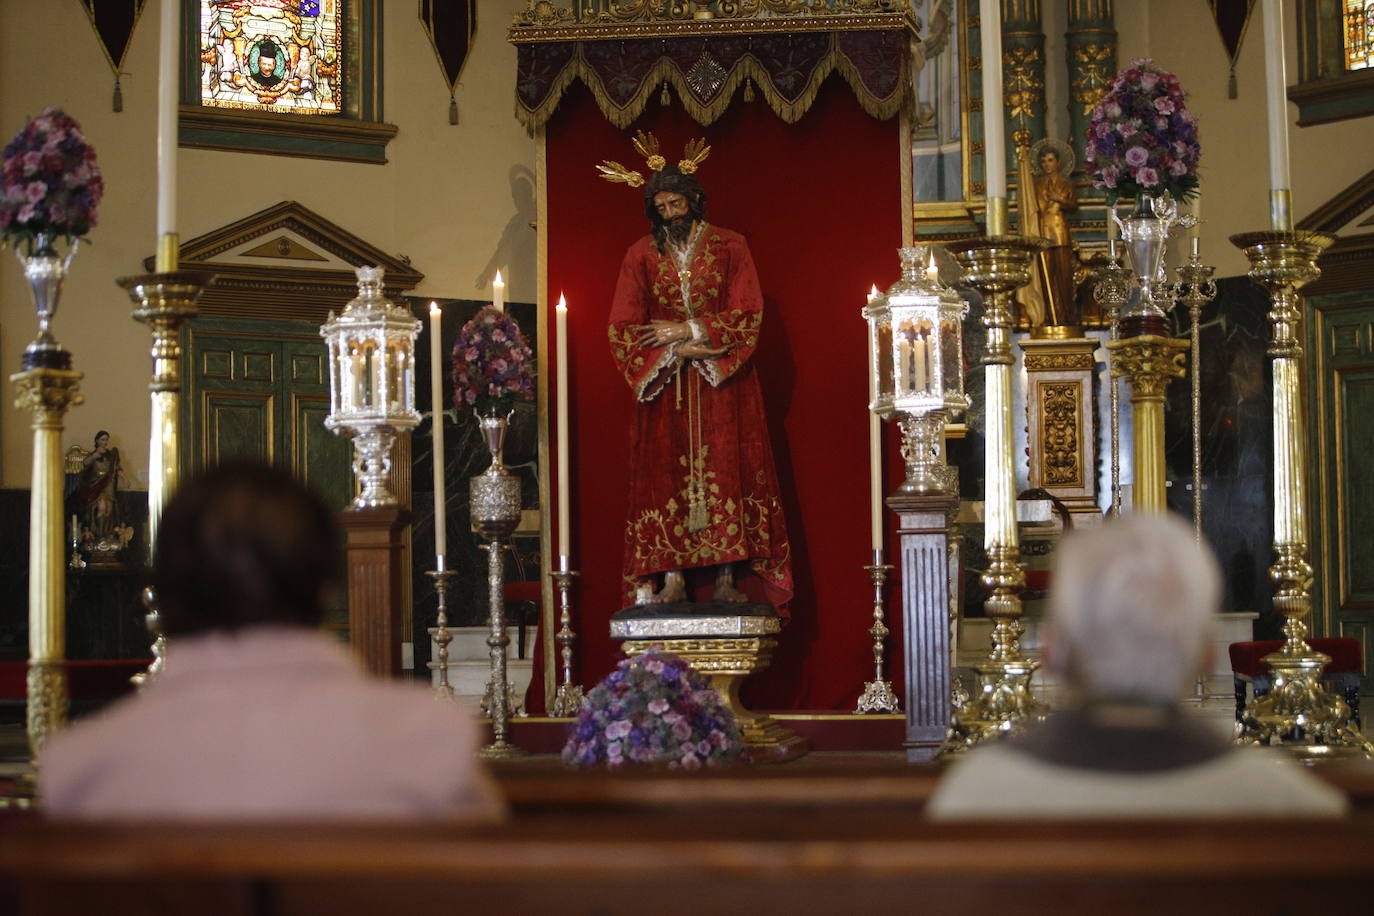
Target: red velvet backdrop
[819,202]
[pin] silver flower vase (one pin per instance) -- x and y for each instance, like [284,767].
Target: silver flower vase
[1145,235]
[46,271]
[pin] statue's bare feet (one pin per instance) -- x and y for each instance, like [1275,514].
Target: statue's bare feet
[725,587]
[674,589]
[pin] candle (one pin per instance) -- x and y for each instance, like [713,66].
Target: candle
[498,293]
[875,443]
[436,396]
[1197,214]
[932,272]
[564,518]
[904,366]
[168,75]
[994,133]
[1275,86]
[1195,252]
[918,356]
[1111,225]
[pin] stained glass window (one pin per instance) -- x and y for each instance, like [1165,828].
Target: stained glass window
[272,55]
[1359,34]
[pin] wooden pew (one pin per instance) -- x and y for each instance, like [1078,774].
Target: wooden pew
[708,860]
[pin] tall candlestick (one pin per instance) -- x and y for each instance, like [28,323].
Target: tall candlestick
[1275,88]
[436,388]
[564,500]
[994,133]
[875,444]
[498,293]
[168,75]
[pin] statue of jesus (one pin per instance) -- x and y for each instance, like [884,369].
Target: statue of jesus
[684,324]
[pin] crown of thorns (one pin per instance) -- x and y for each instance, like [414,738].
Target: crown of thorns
[646,144]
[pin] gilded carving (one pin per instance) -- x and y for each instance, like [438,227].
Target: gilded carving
[1060,429]
[48,393]
[1059,361]
[47,706]
[545,14]
[1149,363]
[1092,74]
[1023,84]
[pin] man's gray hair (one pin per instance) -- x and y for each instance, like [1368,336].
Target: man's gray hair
[1131,607]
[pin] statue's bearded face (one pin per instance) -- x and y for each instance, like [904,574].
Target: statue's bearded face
[674,213]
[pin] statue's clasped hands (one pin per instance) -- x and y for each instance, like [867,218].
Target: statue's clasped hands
[661,333]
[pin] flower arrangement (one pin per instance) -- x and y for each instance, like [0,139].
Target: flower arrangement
[654,708]
[49,182]
[1142,141]
[491,364]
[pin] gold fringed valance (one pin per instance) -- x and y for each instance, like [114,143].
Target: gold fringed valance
[707,68]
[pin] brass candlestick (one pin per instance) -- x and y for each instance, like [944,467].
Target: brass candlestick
[1298,711]
[442,637]
[164,301]
[1195,290]
[1149,362]
[48,393]
[996,266]
[569,696]
[878,695]
[1112,291]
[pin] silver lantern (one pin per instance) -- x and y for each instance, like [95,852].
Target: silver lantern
[915,332]
[371,382]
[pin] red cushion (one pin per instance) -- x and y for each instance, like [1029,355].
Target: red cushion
[1247,658]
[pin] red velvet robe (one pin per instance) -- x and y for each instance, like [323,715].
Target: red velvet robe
[703,488]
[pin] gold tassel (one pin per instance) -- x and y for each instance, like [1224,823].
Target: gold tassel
[748,90]
[452,110]
[117,105]
[663,97]
[1231,86]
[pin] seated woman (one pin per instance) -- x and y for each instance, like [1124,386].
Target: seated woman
[258,714]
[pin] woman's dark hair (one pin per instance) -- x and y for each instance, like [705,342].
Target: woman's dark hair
[243,544]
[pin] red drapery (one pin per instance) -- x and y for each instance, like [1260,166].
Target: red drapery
[820,204]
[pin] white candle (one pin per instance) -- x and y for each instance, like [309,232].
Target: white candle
[168,75]
[1197,214]
[498,293]
[436,388]
[1196,251]
[904,364]
[564,497]
[932,272]
[994,135]
[1275,87]
[918,352]
[875,443]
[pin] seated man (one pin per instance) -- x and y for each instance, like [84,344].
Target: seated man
[259,715]
[1129,628]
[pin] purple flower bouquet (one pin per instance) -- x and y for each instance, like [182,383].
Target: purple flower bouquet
[49,183]
[654,709]
[1142,141]
[491,365]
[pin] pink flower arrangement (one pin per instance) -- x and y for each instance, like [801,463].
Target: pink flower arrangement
[654,709]
[491,364]
[49,182]
[1142,140]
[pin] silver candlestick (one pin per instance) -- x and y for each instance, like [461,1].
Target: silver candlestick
[442,636]
[878,695]
[568,699]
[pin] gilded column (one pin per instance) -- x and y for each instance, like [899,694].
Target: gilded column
[1023,70]
[1298,711]
[1149,363]
[47,393]
[1091,50]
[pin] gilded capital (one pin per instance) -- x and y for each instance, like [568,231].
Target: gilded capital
[48,393]
[1149,362]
